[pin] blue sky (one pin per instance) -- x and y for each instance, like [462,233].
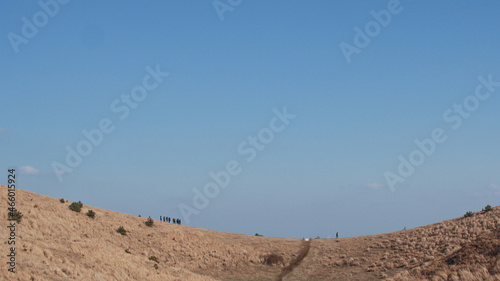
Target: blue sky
[323,173]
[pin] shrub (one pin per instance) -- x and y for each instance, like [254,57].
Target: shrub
[469,214]
[121,230]
[61,200]
[16,215]
[259,235]
[488,208]
[76,206]
[91,214]
[273,259]
[149,222]
[140,216]
[153,258]
[156,266]
[127,251]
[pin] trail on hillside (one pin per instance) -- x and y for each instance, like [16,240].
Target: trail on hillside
[306,245]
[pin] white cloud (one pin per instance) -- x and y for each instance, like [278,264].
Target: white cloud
[28,170]
[59,172]
[494,186]
[373,186]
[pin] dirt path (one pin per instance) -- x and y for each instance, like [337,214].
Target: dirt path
[306,245]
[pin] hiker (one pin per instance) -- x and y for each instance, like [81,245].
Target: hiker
[337,235]
[160,218]
[173,220]
[164,219]
[179,221]
[168,219]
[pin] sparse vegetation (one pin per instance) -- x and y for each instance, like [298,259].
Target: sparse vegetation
[91,214]
[149,222]
[62,200]
[76,206]
[488,208]
[273,259]
[140,216]
[16,215]
[469,214]
[259,235]
[121,230]
[456,249]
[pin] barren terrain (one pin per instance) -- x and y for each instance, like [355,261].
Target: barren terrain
[56,243]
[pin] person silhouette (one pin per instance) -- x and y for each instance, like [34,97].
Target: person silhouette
[337,235]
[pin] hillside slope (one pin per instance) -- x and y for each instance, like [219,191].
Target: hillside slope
[55,243]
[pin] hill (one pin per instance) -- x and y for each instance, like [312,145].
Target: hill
[56,243]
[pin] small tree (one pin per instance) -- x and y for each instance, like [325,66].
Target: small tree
[76,206]
[91,214]
[121,230]
[15,215]
[469,214]
[488,208]
[61,200]
[149,222]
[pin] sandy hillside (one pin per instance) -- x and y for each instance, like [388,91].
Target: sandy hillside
[55,243]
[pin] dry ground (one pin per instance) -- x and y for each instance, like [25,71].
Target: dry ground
[55,243]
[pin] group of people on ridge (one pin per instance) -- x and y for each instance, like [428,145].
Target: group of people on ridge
[169,219]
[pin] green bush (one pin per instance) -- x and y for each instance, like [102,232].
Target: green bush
[488,208]
[156,266]
[259,235]
[149,222]
[153,258]
[91,214]
[127,251]
[469,214]
[62,200]
[16,215]
[121,230]
[76,206]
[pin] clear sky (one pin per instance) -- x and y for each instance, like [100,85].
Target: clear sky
[363,80]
